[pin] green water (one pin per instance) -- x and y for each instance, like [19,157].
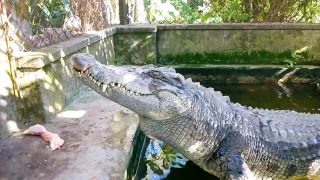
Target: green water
[298,97]
[301,98]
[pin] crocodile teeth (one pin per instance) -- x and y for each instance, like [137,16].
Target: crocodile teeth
[104,87]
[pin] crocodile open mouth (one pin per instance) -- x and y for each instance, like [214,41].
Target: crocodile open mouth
[105,86]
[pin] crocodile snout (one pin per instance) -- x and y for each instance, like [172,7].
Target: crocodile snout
[82,61]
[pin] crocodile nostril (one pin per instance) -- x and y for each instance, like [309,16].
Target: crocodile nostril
[82,61]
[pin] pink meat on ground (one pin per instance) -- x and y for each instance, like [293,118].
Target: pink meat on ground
[55,141]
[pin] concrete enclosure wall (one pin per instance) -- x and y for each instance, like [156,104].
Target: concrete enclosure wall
[238,44]
[238,47]
[52,86]
[45,80]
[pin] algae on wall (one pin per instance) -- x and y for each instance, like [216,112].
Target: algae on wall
[135,48]
[238,46]
[8,104]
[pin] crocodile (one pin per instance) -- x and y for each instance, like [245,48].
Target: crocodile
[226,139]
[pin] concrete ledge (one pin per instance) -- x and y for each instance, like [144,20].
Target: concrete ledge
[47,84]
[241,26]
[42,57]
[49,54]
[143,28]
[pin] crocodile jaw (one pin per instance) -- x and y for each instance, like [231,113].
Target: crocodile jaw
[129,86]
[116,84]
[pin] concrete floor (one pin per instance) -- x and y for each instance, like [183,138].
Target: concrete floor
[97,134]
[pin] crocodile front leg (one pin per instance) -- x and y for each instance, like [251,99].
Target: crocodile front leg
[229,166]
[237,169]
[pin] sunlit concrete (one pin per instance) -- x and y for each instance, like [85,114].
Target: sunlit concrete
[97,134]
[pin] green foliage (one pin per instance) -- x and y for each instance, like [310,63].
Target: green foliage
[289,62]
[296,56]
[48,13]
[213,11]
[163,159]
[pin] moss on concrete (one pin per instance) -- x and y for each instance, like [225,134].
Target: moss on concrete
[103,50]
[135,48]
[255,57]
[8,104]
[238,46]
[32,110]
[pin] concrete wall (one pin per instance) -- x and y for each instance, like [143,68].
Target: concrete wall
[135,45]
[207,48]
[7,98]
[47,85]
[238,44]
[269,43]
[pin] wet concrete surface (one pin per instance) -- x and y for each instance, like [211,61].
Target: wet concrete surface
[97,133]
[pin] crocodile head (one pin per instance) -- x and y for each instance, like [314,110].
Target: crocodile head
[150,91]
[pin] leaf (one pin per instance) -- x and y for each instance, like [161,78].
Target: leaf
[181,165]
[155,168]
[289,62]
[230,16]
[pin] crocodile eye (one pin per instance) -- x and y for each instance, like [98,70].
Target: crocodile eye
[155,73]
[177,79]
[177,82]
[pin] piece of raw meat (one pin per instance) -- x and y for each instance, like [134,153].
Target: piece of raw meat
[55,141]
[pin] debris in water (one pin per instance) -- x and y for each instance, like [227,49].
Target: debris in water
[55,141]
